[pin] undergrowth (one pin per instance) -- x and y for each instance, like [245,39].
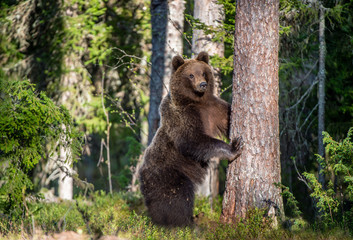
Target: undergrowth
[123,215]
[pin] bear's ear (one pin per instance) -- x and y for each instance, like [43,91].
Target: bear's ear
[203,56]
[177,62]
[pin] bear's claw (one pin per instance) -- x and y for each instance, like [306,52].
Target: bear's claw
[237,147]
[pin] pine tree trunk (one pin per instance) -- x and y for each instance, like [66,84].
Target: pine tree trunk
[174,43]
[210,13]
[251,178]
[159,10]
[321,91]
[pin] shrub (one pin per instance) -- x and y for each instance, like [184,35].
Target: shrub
[334,202]
[29,122]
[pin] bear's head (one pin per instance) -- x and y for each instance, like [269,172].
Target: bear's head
[192,80]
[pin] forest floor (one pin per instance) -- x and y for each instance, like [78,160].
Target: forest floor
[123,216]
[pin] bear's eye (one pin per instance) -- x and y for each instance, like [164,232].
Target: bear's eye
[191,76]
[204,74]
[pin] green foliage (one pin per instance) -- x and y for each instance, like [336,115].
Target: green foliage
[255,224]
[66,47]
[294,221]
[334,202]
[8,49]
[28,122]
[298,58]
[110,209]
[37,48]
[339,71]
[94,121]
[119,214]
[88,23]
[325,200]
[212,210]
[54,217]
[225,63]
[129,159]
[291,203]
[341,160]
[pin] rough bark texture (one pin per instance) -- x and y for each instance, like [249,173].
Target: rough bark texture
[159,10]
[321,90]
[175,29]
[251,178]
[212,14]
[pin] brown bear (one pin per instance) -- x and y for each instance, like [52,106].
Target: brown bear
[177,159]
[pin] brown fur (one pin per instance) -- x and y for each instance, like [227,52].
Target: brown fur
[177,159]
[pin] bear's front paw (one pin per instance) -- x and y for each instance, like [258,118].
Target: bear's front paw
[237,147]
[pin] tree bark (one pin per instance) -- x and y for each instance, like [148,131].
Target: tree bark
[210,13]
[251,178]
[74,91]
[67,98]
[175,29]
[321,91]
[159,9]
[65,189]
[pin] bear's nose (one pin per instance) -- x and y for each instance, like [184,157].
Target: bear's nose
[203,85]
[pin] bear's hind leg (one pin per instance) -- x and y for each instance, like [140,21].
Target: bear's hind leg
[176,213]
[175,206]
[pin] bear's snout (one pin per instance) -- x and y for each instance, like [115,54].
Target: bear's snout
[203,86]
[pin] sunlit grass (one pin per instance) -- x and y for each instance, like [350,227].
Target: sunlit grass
[123,215]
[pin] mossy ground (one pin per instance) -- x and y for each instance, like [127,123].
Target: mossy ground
[123,215]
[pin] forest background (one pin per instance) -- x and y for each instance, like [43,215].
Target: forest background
[94,59]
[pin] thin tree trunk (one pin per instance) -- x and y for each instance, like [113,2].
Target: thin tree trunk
[74,91]
[321,90]
[174,43]
[251,178]
[159,9]
[210,13]
[68,97]
[107,146]
[65,189]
